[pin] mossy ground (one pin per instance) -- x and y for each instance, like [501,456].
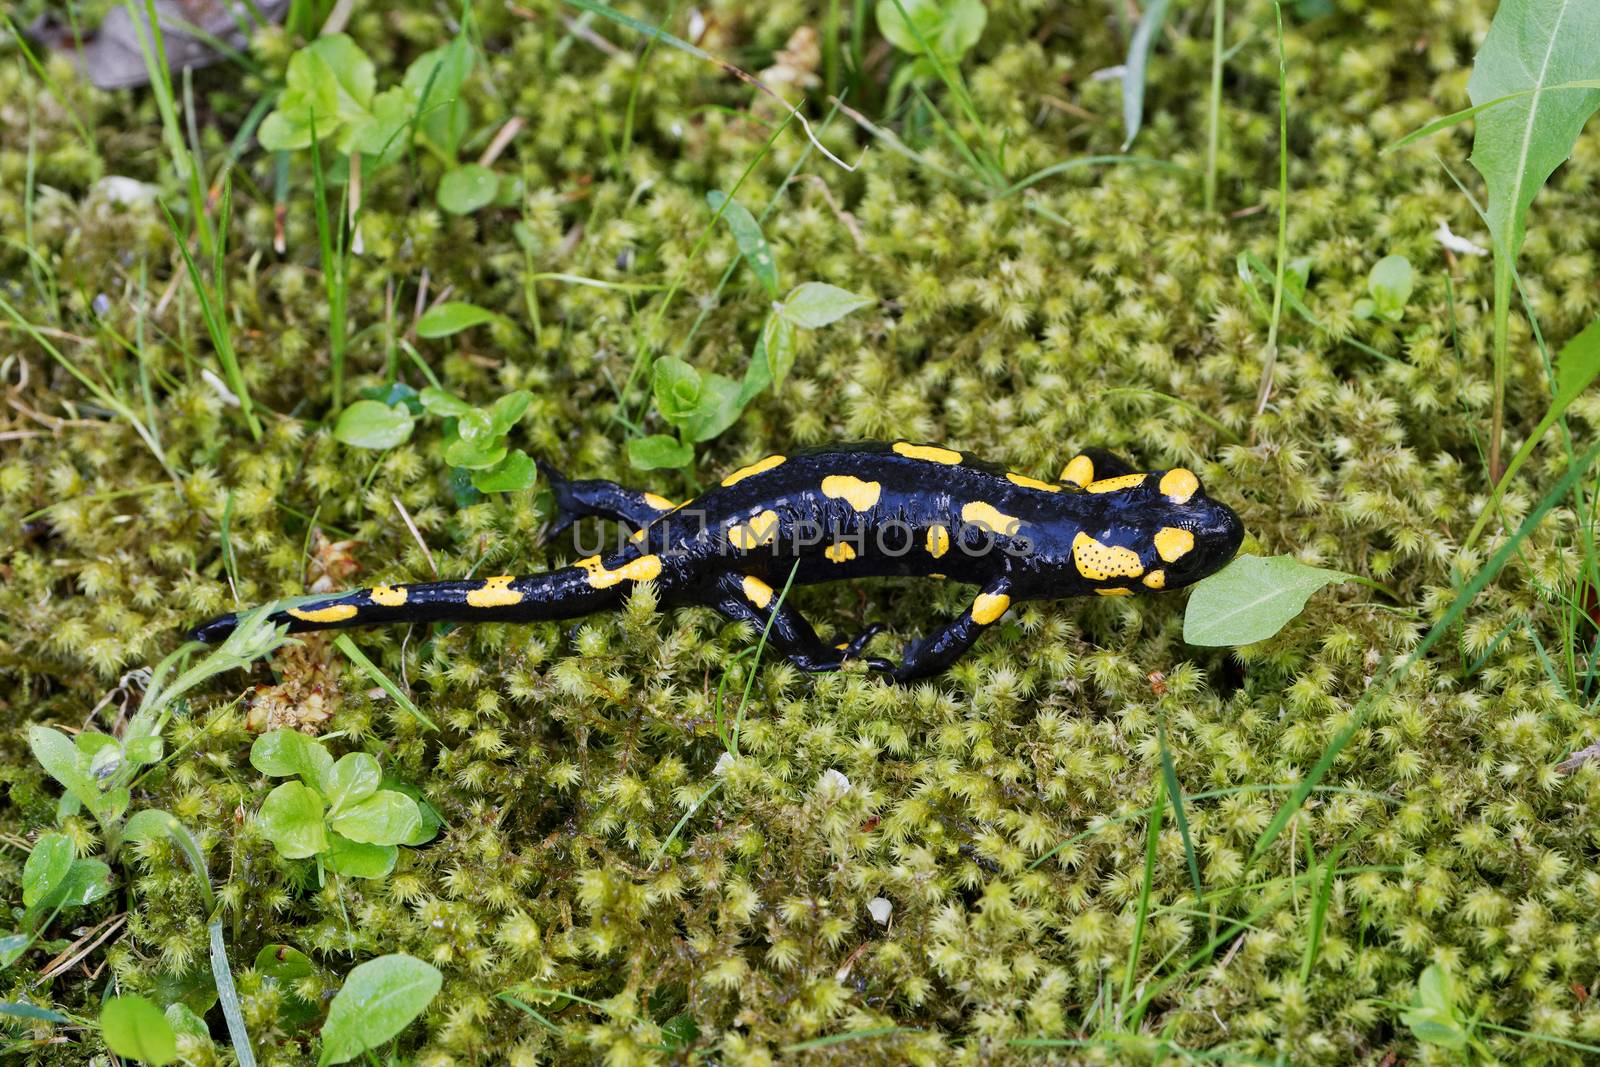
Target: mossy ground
[1010,326]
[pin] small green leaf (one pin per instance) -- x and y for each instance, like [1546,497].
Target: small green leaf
[659,452]
[32,1012]
[284,963]
[46,869]
[817,304]
[1433,1017]
[747,235]
[1251,599]
[1577,366]
[87,881]
[676,386]
[369,424]
[353,779]
[284,753]
[446,405]
[434,82]
[467,188]
[143,750]
[186,1023]
[384,818]
[949,27]
[452,317]
[356,860]
[475,453]
[378,1000]
[507,411]
[329,81]
[62,761]
[291,818]
[135,1028]
[512,474]
[1134,68]
[1390,284]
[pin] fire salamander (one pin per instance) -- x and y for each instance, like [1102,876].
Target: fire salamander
[854,511]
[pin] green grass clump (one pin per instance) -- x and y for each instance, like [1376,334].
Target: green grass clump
[1074,829]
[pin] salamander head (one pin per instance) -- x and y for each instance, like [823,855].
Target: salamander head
[1155,530]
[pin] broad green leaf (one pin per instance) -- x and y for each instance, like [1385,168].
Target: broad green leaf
[676,386]
[719,408]
[1135,67]
[1390,284]
[467,188]
[284,753]
[356,860]
[512,474]
[135,1028]
[87,881]
[46,869]
[1433,1017]
[62,761]
[452,317]
[384,818]
[378,1000]
[143,750]
[748,236]
[431,822]
[353,779]
[1251,599]
[446,405]
[291,818]
[369,424]
[817,304]
[772,360]
[382,133]
[659,451]
[949,27]
[480,451]
[330,81]
[1531,44]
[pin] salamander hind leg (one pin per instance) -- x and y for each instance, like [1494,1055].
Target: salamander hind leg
[749,599]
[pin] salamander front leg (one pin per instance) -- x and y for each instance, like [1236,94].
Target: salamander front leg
[932,654]
[749,599]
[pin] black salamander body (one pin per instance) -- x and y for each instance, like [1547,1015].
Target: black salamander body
[855,511]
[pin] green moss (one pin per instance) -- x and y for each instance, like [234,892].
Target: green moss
[569,753]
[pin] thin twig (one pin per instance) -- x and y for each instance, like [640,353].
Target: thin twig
[406,515]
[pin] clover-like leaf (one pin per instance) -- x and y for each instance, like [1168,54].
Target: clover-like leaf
[512,474]
[135,1028]
[370,424]
[354,859]
[385,818]
[659,452]
[378,1000]
[467,188]
[353,779]
[284,753]
[291,818]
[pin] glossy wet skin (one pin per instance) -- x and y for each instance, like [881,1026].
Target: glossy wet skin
[874,509]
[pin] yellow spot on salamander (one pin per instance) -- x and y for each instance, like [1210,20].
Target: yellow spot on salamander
[842,645]
[1172,543]
[331,613]
[936,574]
[1114,592]
[639,535]
[758,531]
[1156,580]
[840,553]
[859,494]
[1098,561]
[988,517]
[1111,485]
[1079,472]
[987,607]
[388,596]
[931,453]
[495,593]
[1032,483]
[642,569]
[754,469]
[756,591]
[659,502]
[938,541]
[1179,484]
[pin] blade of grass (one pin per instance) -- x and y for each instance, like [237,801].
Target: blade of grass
[54,87]
[1271,360]
[1169,774]
[1214,108]
[381,680]
[147,28]
[333,270]
[853,1035]
[214,315]
[1158,805]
